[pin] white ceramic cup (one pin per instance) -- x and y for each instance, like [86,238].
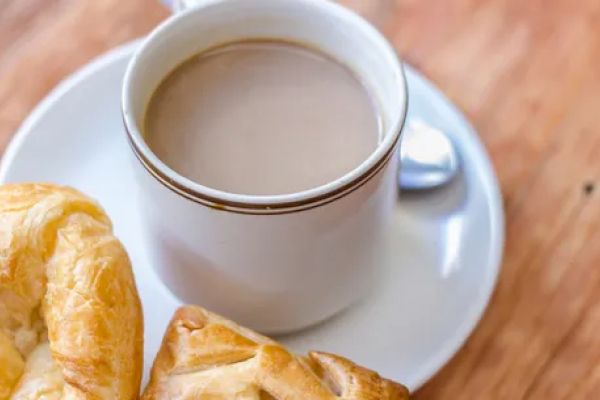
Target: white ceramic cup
[274,263]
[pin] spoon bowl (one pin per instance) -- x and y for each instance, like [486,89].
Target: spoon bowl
[428,159]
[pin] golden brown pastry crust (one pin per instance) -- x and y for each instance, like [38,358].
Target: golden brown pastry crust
[205,356]
[70,315]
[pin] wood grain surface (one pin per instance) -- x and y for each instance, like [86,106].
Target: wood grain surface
[527,73]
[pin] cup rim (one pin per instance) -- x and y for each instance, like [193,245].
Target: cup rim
[265,204]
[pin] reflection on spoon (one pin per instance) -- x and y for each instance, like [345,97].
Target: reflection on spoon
[428,158]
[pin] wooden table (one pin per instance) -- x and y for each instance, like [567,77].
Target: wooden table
[527,73]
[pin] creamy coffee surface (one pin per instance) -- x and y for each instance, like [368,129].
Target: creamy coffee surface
[262,118]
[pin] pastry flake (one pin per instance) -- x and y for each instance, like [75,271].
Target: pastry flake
[207,357]
[70,315]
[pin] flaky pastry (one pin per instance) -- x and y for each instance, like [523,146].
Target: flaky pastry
[206,357]
[70,315]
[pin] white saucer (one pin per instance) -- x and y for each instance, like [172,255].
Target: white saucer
[447,243]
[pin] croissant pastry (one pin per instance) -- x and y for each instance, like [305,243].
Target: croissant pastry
[204,356]
[70,315]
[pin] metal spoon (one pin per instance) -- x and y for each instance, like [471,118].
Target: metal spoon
[428,158]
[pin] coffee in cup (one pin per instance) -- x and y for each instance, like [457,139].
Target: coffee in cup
[265,136]
[262,117]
